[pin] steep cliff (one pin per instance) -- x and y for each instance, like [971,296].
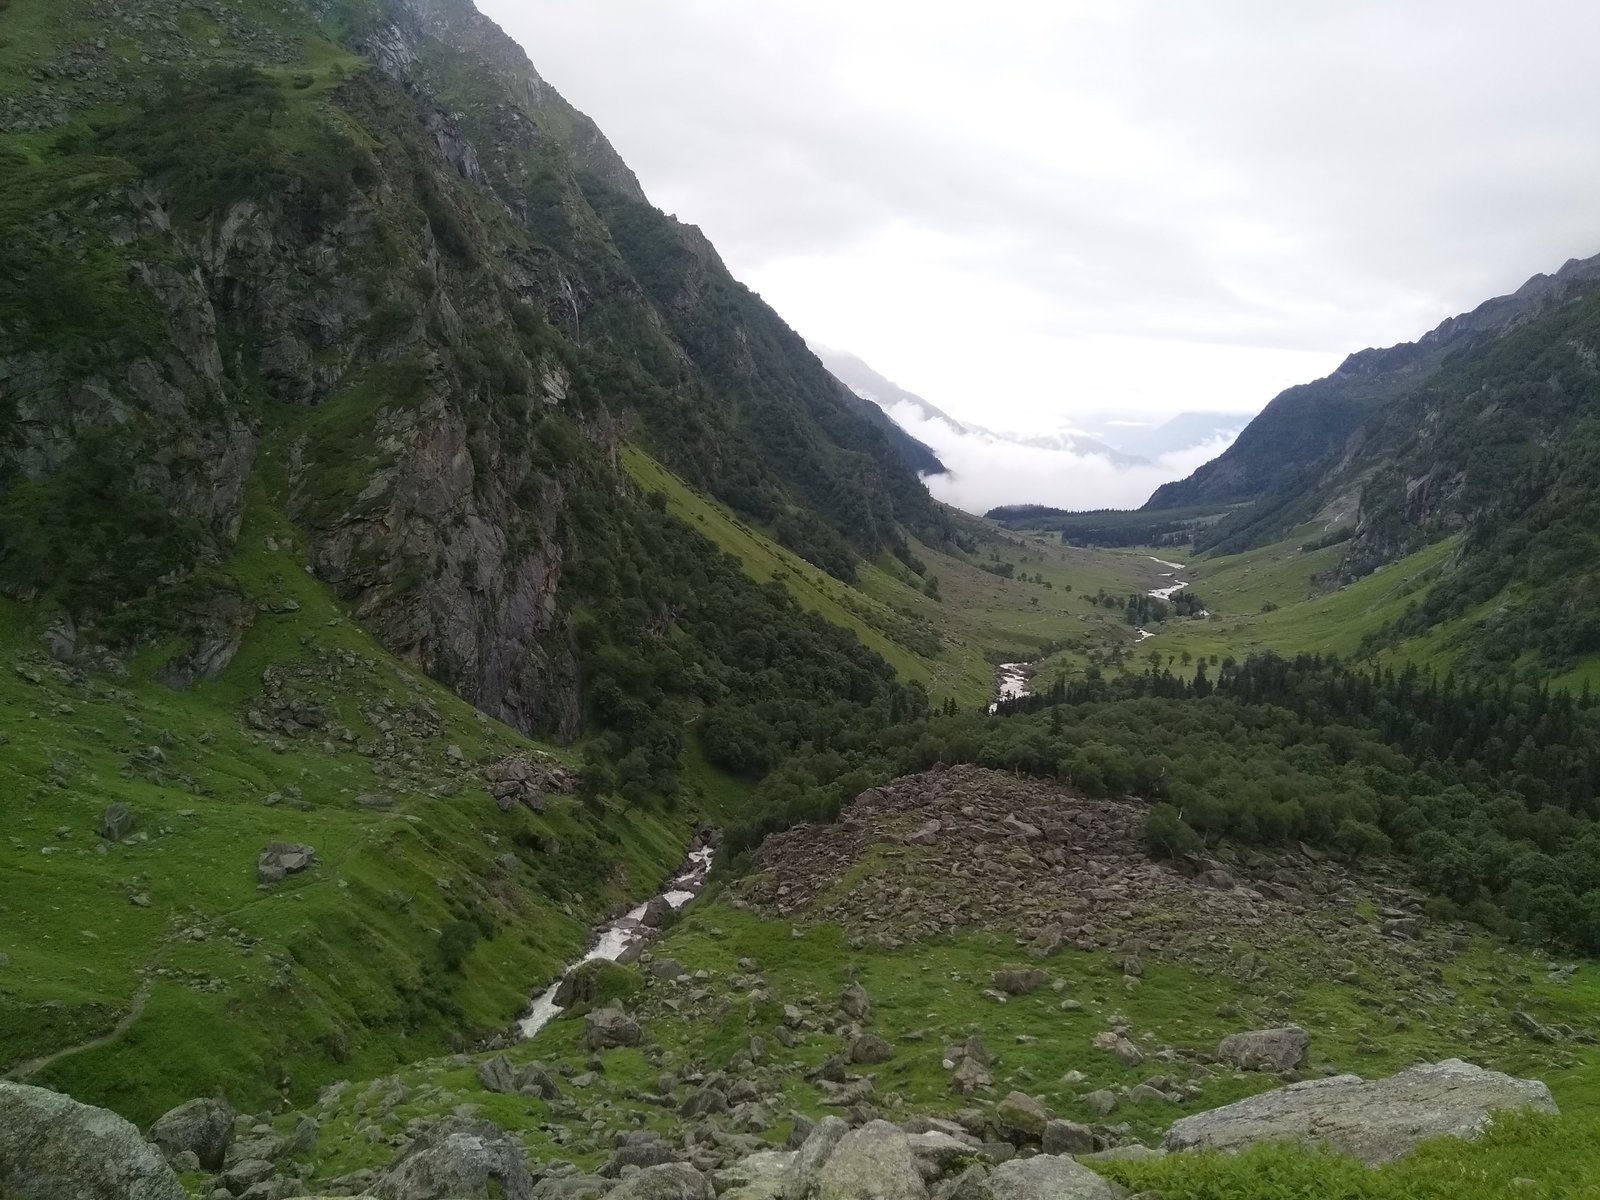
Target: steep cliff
[359,260]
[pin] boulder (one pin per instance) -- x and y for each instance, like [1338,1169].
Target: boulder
[855,1003]
[610,1027]
[876,1161]
[278,859]
[870,1048]
[1282,1049]
[641,1148]
[203,1127]
[116,822]
[669,1181]
[1047,1177]
[499,1074]
[1019,981]
[1374,1120]
[812,1155]
[1101,1103]
[458,1159]
[667,968]
[53,1148]
[1066,1137]
[758,1176]
[1021,1118]
[655,913]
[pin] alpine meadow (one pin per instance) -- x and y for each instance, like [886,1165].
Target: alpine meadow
[485,713]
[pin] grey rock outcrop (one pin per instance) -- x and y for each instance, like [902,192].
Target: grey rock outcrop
[875,1160]
[1373,1120]
[53,1148]
[1282,1049]
[500,1074]
[116,822]
[458,1159]
[1046,1177]
[278,859]
[610,1027]
[669,1181]
[203,1127]
[812,1155]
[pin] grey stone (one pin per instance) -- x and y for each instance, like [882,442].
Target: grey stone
[458,1159]
[1101,1103]
[1021,1118]
[666,968]
[870,1048]
[812,1155]
[1047,1177]
[758,1176]
[204,1127]
[1019,981]
[669,1181]
[116,822]
[1066,1137]
[53,1148]
[1374,1120]
[875,1161]
[1283,1049]
[855,1003]
[278,859]
[610,1027]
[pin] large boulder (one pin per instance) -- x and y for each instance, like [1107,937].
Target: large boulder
[116,822]
[758,1176]
[1047,1177]
[1373,1120]
[670,1181]
[875,1160]
[278,859]
[855,1003]
[812,1154]
[458,1159]
[1282,1049]
[1021,1118]
[610,1027]
[53,1148]
[499,1074]
[204,1127]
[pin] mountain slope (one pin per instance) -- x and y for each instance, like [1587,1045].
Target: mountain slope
[1486,426]
[1295,439]
[362,256]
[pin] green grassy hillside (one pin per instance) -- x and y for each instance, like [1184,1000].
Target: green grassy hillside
[141,972]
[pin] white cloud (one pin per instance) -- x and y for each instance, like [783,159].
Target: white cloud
[985,471]
[1045,206]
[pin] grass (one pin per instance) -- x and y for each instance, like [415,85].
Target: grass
[931,994]
[266,995]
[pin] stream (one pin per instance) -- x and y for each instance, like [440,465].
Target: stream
[1011,683]
[613,939]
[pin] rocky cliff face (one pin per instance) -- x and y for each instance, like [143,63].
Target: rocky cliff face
[405,293]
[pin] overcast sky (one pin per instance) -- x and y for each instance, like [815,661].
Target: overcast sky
[1027,209]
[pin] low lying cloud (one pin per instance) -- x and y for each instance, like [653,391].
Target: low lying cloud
[985,471]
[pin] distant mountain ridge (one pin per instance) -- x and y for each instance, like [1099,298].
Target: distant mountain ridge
[869,384]
[1488,426]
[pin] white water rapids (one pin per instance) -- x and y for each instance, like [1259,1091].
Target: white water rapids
[616,936]
[1011,683]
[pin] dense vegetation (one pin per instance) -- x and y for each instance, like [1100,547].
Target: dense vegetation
[1487,788]
[1110,526]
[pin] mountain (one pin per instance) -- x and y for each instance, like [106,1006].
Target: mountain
[889,396]
[1488,426]
[361,258]
[1158,439]
[332,343]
